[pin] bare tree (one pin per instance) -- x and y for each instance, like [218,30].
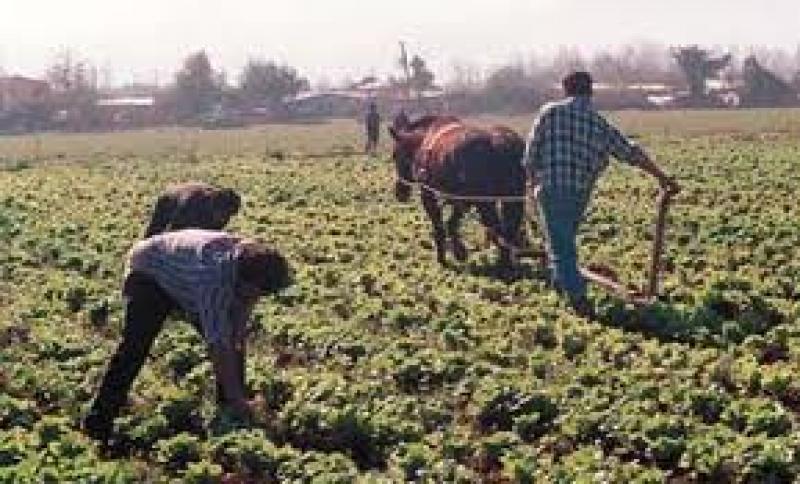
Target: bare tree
[605,67]
[68,74]
[421,77]
[465,76]
[403,62]
[73,84]
[565,60]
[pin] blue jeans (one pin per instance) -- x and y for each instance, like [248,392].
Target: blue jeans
[561,215]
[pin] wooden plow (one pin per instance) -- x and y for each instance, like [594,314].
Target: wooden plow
[607,279]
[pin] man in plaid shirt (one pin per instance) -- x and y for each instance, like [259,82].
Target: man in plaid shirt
[215,278]
[567,151]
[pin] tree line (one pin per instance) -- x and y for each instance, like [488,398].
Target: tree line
[762,76]
[768,76]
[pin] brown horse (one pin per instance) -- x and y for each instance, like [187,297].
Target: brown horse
[469,163]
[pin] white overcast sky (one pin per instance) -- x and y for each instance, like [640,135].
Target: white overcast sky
[335,38]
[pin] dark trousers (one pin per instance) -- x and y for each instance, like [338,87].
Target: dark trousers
[146,307]
[372,140]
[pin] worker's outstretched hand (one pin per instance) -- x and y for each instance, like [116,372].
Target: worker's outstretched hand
[241,409]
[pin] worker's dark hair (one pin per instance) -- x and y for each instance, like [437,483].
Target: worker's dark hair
[231,200]
[578,83]
[263,267]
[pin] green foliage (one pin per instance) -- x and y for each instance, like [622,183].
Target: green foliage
[502,408]
[177,452]
[382,366]
[249,453]
[15,412]
[412,462]
[203,473]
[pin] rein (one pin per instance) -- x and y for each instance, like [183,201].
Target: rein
[442,195]
[462,198]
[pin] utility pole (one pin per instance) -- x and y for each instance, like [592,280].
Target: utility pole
[406,70]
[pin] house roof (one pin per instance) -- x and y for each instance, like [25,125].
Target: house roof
[21,79]
[127,101]
[361,94]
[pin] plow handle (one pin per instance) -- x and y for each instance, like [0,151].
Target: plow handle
[658,243]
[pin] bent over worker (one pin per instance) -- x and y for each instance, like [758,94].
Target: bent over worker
[214,277]
[567,151]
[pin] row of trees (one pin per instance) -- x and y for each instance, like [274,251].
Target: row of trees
[195,90]
[763,74]
[197,87]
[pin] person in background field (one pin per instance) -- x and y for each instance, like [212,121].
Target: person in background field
[567,151]
[214,277]
[373,125]
[193,205]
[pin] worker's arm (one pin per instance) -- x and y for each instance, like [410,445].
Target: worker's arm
[227,362]
[629,152]
[224,324]
[667,183]
[226,369]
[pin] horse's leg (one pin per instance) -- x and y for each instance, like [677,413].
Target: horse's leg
[512,214]
[490,219]
[434,210]
[453,225]
[490,237]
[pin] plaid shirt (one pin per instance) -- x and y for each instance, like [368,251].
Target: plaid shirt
[569,146]
[197,269]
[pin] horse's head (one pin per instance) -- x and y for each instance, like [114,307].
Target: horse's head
[406,145]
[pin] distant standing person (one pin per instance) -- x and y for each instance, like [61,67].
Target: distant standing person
[373,125]
[567,151]
[193,205]
[214,277]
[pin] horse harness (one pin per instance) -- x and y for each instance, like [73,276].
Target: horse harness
[430,142]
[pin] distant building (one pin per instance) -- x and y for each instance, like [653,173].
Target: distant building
[323,104]
[352,101]
[127,112]
[19,93]
[24,104]
[720,94]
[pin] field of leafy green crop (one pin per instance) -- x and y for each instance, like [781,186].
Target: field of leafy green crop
[382,366]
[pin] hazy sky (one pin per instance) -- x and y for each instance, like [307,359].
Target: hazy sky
[334,38]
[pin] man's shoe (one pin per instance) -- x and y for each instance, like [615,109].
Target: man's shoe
[583,308]
[97,427]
